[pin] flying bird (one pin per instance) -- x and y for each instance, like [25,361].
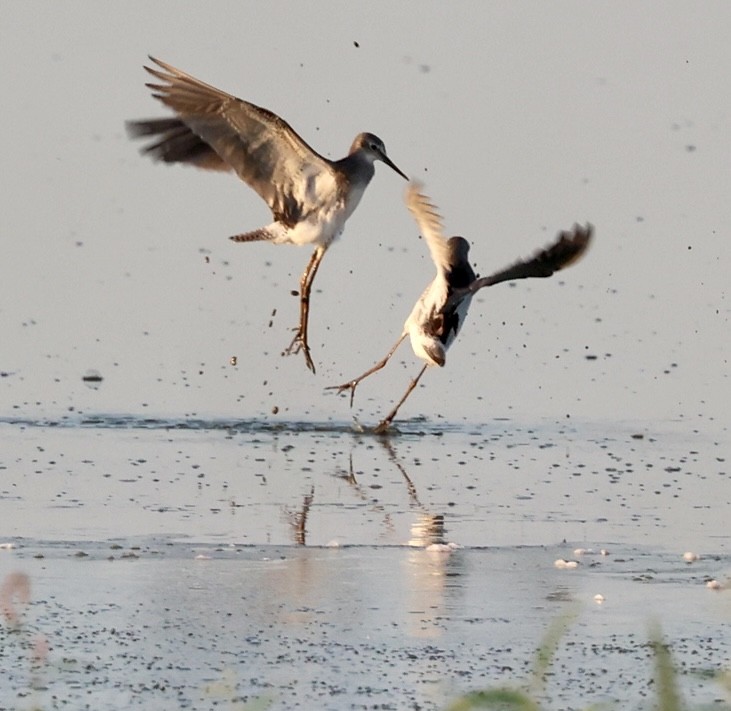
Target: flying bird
[439,314]
[310,196]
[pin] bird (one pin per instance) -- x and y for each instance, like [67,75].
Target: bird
[310,196]
[440,312]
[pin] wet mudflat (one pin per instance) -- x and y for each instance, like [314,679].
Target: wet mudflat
[154,624]
[316,567]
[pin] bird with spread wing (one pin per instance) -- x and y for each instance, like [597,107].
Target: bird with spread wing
[310,196]
[440,311]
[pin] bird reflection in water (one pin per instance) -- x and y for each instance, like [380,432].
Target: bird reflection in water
[298,519]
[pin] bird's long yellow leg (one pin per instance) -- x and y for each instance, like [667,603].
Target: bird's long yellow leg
[353,384]
[385,423]
[299,342]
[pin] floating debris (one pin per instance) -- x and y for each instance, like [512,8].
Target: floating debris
[690,557]
[590,551]
[562,564]
[233,360]
[92,378]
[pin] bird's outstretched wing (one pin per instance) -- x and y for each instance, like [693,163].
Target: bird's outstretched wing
[568,248]
[262,148]
[430,225]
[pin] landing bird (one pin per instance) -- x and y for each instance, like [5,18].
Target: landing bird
[438,315]
[310,196]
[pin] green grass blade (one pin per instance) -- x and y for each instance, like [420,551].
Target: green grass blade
[547,650]
[666,683]
[503,699]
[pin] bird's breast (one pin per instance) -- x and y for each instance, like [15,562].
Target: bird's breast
[427,347]
[351,195]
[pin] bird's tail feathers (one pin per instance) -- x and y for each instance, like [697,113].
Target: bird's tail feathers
[260,235]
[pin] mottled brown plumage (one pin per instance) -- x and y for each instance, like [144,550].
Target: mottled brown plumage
[310,196]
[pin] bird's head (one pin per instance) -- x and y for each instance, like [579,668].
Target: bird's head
[373,149]
[459,248]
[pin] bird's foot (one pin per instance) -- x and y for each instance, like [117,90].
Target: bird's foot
[351,385]
[383,426]
[299,343]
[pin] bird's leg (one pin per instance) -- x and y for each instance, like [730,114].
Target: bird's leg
[299,342]
[385,423]
[353,384]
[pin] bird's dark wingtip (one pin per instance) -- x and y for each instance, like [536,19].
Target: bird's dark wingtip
[585,233]
[134,129]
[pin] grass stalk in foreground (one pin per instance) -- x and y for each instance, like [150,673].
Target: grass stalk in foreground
[507,699]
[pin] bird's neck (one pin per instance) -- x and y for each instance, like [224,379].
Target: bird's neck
[460,275]
[357,168]
[356,172]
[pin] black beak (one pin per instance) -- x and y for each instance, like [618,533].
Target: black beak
[393,166]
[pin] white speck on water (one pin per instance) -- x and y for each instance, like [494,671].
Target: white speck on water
[562,564]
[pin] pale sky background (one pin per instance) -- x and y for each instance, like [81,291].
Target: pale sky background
[520,118]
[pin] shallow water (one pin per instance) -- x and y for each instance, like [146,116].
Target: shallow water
[306,562]
[497,484]
[151,623]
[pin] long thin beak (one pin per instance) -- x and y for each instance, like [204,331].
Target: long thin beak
[393,166]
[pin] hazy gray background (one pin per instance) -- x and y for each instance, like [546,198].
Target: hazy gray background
[520,117]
